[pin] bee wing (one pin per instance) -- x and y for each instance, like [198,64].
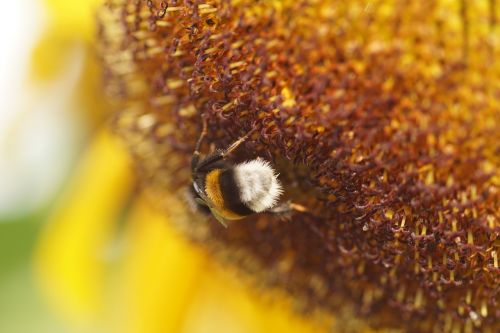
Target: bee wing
[218,217]
[204,200]
[201,201]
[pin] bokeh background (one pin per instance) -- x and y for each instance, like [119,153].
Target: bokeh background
[43,131]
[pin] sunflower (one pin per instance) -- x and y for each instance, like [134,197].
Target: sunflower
[382,119]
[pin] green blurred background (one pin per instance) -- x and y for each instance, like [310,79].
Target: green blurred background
[39,141]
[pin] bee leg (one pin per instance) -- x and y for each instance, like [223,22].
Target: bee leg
[298,208]
[287,207]
[196,154]
[218,155]
[235,145]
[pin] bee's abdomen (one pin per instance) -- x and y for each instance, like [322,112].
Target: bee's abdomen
[232,194]
[258,184]
[247,188]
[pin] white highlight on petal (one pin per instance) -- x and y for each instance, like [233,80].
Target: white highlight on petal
[259,186]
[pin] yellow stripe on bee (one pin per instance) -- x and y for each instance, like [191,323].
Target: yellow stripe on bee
[213,190]
[214,193]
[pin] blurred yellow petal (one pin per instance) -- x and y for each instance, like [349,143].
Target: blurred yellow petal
[225,305]
[66,42]
[70,24]
[158,276]
[73,18]
[69,258]
[50,55]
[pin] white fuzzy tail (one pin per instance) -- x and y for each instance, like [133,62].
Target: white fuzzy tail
[258,183]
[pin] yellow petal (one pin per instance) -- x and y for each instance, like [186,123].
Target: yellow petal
[158,277]
[75,18]
[70,25]
[225,304]
[69,258]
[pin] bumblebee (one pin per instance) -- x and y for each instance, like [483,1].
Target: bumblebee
[233,191]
